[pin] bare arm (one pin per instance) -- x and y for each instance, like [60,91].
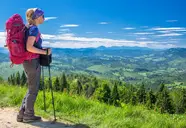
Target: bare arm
[31,48]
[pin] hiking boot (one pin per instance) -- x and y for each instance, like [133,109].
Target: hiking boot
[27,119]
[20,116]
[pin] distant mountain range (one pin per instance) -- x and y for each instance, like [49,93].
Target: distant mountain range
[130,64]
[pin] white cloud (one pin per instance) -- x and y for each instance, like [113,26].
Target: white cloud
[68,35]
[85,39]
[46,43]
[170,29]
[103,23]
[2,39]
[72,41]
[50,18]
[170,34]
[174,39]
[2,34]
[164,31]
[71,44]
[64,30]
[77,44]
[162,46]
[143,33]
[171,20]
[69,25]
[181,30]
[142,38]
[128,28]
[47,36]
[71,37]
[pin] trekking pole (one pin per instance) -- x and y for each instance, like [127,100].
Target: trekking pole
[44,97]
[51,89]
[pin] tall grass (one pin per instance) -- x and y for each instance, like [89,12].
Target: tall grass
[93,113]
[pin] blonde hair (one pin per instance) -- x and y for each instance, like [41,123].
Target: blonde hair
[29,14]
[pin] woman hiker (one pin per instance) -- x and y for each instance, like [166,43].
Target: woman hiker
[32,68]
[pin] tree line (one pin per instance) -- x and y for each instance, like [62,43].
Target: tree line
[113,92]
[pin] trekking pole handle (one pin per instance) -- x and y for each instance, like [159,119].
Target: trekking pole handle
[47,51]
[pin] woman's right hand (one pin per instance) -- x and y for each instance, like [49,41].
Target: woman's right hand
[49,51]
[45,51]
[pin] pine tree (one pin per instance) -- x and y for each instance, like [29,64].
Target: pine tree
[151,99]
[103,93]
[13,79]
[73,87]
[9,80]
[141,94]
[90,91]
[159,97]
[23,79]
[164,102]
[115,96]
[106,93]
[167,102]
[56,84]
[18,79]
[134,99]
[184,99]
[126,94]
[85,89]
[181,105]
[95,83]
[79,87]
[64,83]
[161,88]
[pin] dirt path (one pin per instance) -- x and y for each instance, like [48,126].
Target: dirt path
[8,120]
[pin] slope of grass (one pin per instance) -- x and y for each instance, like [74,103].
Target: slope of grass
[99,68]
[92,113]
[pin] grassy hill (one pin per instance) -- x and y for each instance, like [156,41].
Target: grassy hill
[78,109]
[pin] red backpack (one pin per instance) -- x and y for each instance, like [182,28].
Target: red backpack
[16,39]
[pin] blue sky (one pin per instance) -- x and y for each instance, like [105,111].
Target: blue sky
[94,23]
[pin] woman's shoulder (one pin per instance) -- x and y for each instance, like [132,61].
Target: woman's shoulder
[33,28]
